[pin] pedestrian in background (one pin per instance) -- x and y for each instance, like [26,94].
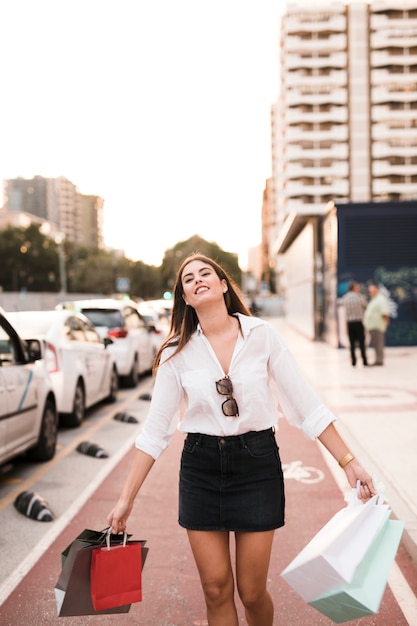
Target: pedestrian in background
[355,304]
[376,321]
[214,378]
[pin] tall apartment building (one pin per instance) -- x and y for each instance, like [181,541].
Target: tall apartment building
[345,124]
[57,201]
[344,127]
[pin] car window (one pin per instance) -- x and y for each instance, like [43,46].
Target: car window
[105,317]
[133,319]
[74,329]
[8,351]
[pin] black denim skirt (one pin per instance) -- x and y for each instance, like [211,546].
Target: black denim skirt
[231,483]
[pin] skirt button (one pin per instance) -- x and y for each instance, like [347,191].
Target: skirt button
[222,442]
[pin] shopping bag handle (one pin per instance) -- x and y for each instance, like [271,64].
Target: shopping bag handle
[108,533]
[353,497]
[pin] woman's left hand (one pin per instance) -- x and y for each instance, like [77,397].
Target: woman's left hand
[354,473]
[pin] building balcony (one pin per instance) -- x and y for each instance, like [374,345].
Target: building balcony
[383,113]
[381,132]
[335,170]
[383,77]
[338,151]
[404,37]
[297,188]
[382,58]
[383,187]
[313,21]
[395,92]
[299,206]
[300,135]
[382,150]
[382,23]
[333,43]
[337,115]
[294,61]
[332,95]
[381,168]
[334,80]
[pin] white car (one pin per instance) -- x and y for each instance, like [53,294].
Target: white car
[120,320]
[158,323]
[28,414]
[81,367]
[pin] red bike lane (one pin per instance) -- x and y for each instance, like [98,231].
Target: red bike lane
[171,591]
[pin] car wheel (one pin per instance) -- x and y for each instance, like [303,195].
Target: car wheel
[114,386]
[132,379]
[45,448]
[74,419]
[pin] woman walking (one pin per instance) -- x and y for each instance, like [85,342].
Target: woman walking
[220,376]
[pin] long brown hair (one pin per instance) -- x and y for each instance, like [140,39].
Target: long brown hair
[184,319]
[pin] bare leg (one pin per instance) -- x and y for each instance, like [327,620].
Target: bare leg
[253,552]
[212,556]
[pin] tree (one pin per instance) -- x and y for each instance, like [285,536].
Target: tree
[174,257]
[28,260]
[145,281]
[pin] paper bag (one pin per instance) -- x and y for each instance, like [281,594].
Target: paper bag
[364,594]
[72,590]
[116,575]
[333,555]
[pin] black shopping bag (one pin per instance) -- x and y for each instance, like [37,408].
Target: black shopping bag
[93,538]
[72,589]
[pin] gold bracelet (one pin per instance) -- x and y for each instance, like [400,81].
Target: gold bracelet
[346,459]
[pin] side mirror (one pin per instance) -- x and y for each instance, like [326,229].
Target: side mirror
[107,341]
[34,350]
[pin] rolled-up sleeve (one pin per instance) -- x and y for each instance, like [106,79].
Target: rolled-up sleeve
[164,412]
[300,404]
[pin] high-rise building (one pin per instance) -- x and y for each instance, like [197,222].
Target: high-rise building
[344,132]
[345,123]
[92,221]
[57,201]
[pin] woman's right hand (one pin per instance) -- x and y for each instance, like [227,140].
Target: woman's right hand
[117,519]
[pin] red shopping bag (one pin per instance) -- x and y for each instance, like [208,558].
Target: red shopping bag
[116,575]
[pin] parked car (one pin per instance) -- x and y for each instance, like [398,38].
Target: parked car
[81,367]
[120,320]
[157,323]
[28,413]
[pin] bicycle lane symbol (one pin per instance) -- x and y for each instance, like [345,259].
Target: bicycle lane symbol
[302,473]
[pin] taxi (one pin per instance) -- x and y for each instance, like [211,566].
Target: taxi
[28,412]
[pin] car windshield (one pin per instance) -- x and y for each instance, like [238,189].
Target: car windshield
[105,317]
[33,323]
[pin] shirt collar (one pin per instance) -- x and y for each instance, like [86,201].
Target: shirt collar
[246,324]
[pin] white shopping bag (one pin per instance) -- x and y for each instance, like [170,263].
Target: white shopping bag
[333,555]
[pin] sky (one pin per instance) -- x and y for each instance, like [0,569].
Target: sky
[160,107]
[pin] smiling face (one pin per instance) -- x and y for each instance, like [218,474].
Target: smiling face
[200,284]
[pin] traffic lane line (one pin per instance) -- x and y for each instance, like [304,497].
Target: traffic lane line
[172,593]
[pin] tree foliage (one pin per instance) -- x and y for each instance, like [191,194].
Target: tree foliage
[175,256]
[30,260]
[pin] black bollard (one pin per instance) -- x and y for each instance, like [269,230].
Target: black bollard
[92,449]
[32,505]
[125,417]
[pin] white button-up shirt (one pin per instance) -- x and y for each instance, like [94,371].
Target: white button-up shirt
[265,378]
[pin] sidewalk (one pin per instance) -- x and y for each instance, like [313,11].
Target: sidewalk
[376,410]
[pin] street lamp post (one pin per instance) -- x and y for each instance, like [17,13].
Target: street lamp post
[59,240]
